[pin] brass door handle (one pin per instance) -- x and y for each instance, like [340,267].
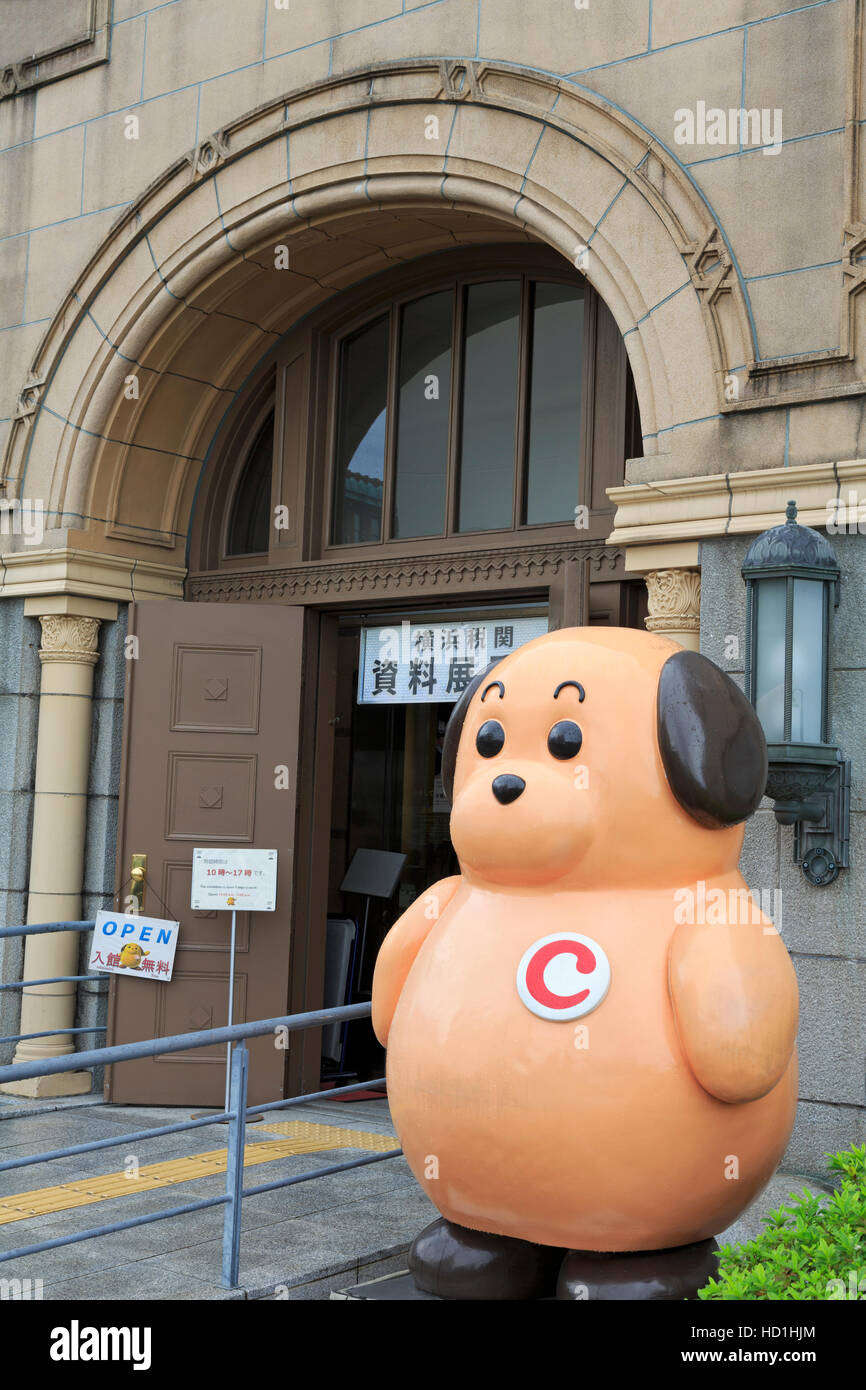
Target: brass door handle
[138,878]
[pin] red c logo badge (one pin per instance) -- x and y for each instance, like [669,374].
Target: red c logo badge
[563,976]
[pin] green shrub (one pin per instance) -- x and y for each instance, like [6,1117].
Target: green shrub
[813,1249]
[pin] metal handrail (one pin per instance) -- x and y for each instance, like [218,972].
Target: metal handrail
[235,1114]
[179,1042]
[53,980]
[38,929]
[51,1033]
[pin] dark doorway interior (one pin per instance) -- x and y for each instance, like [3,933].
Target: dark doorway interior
[387,795]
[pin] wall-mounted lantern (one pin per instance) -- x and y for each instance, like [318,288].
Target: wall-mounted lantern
[792,587]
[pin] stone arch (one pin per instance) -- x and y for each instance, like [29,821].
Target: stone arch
[350,175]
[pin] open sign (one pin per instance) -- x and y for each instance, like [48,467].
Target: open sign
[142,946]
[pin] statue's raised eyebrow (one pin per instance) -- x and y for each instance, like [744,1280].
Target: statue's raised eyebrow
[490,687]
[577,685]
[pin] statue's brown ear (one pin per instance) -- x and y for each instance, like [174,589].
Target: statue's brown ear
[711,742]
[454,729]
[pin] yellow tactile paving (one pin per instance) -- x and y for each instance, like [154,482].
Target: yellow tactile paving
[338,1138]
[300,1137]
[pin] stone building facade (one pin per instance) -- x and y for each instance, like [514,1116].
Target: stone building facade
[186,185]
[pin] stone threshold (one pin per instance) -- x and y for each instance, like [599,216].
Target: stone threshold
[19,1108]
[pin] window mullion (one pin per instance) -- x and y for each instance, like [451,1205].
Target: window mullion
[454,428]
[278,461]
[392,406]
[586,452]
[521,430]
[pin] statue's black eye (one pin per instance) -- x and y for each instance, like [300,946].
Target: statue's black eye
[490,739]
[564,739]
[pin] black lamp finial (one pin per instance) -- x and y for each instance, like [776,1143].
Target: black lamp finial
[791,511]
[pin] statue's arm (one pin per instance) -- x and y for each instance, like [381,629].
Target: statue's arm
[734,995]
[400,948]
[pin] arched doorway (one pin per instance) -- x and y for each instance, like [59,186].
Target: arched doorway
[419,472]
[149,402]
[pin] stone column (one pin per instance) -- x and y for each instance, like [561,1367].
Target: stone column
[675,605]
[68,653]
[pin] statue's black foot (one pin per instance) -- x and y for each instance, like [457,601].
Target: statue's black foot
[453,1262]
[642,1274]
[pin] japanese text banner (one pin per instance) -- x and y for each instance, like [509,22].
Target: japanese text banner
[432,663]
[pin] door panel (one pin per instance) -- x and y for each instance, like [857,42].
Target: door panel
[618,603]
[213,707]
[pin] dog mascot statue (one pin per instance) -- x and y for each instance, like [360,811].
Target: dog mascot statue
[590,1030]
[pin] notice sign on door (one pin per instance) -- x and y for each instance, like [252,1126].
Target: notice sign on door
[243,880]
[142,946]
[432,663]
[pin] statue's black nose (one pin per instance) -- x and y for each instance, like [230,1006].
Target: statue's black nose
[507,788]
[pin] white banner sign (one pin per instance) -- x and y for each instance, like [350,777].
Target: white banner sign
[142,946]
[243,879]
[432,663]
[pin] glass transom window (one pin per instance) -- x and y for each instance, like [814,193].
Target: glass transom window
[460,411]
[249,523]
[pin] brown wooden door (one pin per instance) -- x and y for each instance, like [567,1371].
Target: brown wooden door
[212,713]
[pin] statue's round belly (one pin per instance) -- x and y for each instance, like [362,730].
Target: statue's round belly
[590,1133]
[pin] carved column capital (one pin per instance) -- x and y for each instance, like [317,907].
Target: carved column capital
[66,637]
[675,605]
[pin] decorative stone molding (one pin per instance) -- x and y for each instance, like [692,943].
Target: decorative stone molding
[528,566]
[674,603]
[11,80]
[853,246]
[458,80]
[722,504]
[710,265]
[29,397]
[70,639]
[667,555]
[87,573]
[84,50]
[208,154]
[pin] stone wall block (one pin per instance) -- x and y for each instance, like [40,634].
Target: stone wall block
[827,921]
[832,1037]
[118,168]
[187,43]
[569,39]
[819,1130]
[303,25]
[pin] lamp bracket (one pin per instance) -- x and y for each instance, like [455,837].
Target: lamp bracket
[821,827]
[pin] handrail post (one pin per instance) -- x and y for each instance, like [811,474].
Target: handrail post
[235,1166]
